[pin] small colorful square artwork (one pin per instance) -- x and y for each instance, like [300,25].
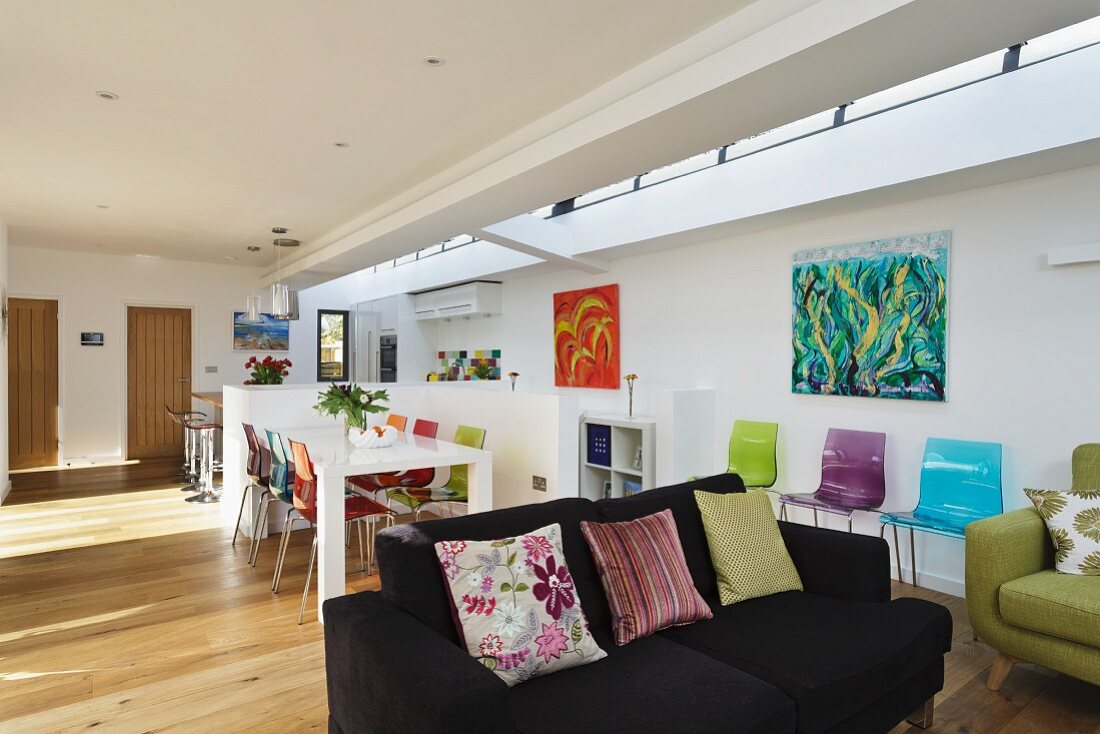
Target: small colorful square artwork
[463,364]
[586,338]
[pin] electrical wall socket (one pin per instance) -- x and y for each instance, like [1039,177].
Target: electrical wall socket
[538,484]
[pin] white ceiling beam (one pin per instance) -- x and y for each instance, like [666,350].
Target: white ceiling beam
[541,238]
[752,72]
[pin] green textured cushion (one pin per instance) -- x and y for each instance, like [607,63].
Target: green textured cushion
[746,547]
[1054,604]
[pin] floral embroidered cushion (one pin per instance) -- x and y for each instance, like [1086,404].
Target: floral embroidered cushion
[644,574]
[516,608]
[1073,521]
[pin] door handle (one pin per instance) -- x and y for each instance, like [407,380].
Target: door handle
[183,379]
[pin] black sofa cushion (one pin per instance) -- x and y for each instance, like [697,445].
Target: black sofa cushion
[833,657]
[689,523]
[652,686]
[409,569]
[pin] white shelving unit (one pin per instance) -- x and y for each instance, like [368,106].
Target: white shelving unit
[627,436]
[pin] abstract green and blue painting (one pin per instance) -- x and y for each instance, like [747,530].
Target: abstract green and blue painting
[870,319]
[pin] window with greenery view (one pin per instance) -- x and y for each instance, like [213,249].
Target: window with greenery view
[332,346]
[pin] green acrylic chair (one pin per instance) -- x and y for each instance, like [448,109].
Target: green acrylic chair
[752,453]
[455,491]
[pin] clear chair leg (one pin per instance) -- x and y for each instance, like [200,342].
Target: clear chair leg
[309,578]
[913,556]
[245,493]
[359,527]
[897,555]
[284,544]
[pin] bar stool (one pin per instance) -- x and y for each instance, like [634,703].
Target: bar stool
[190,447]
[209,492]
[259,472]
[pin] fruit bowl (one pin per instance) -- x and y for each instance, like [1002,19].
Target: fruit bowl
[373,437]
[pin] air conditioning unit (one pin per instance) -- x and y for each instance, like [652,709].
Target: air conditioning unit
[469,299]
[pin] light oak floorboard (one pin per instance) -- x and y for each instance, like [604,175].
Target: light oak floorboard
[138,616]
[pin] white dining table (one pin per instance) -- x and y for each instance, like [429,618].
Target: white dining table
[334,459]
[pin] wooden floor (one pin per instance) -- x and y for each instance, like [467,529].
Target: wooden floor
[130,612]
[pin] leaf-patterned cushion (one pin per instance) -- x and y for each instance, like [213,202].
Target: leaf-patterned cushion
[1073,521]
[516,608]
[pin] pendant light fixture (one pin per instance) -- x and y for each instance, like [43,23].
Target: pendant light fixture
[252,302]
[283,305]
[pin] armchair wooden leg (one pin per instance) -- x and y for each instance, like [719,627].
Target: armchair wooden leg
[923,716]
[1002,666]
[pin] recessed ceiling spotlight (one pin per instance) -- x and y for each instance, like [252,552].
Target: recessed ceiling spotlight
[342,144]
[254,248]
[103,94]
[278,230]
[434,60]
[102,206]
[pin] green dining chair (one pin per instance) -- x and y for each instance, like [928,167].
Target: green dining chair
[455,491]
[752,453]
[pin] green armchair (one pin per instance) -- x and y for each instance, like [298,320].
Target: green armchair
[1021,607]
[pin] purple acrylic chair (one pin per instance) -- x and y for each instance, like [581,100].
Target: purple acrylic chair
[852,476]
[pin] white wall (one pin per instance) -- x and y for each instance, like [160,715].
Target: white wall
[1023,346]
[5,487]
[93,291]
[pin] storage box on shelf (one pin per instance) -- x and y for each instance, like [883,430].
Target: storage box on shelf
[610,445]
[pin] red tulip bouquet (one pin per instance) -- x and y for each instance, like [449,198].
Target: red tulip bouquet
[267,371]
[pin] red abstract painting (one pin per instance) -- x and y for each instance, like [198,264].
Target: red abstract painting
[586,337]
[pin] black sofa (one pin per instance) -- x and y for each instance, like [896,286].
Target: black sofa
[837,657]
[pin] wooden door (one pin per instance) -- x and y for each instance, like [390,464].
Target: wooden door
[32,383]
[158,373]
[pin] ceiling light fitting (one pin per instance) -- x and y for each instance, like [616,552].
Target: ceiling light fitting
[102,206]
[434,60]
[283,301]
[342,144]
[103,94]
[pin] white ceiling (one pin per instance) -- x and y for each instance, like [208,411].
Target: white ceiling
[228,110]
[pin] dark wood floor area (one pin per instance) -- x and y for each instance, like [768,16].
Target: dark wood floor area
[130,611]
[38,485]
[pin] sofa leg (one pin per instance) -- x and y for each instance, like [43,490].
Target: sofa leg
[1002,666]
[922,717]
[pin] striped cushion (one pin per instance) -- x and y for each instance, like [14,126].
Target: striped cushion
[644,575]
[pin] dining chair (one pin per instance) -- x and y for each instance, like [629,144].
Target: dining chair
[280,486]
[356,509]
[258,469]
[752,453]
[455,491]
[398,421]
[960,482]
[379,481]
[853,476]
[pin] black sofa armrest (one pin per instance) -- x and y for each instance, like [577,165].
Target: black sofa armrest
[388,672]
[837,564]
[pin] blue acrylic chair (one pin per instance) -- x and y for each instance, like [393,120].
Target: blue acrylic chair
[280,485]
[960,482]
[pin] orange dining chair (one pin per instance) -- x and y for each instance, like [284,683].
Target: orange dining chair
[357,508]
